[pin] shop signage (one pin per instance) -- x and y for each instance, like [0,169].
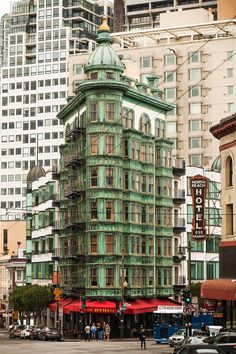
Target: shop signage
[210,304]
[99,310]
[169,309]
[198,186]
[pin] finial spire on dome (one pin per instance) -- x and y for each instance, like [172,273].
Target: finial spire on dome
[104,26]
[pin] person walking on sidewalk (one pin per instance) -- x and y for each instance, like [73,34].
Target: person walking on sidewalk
[87,333]
[107,332]
[142,338]
[100,331]
[94,332]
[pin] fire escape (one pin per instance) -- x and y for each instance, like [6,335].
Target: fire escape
[74,213]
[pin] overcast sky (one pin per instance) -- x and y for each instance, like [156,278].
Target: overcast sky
[4,7]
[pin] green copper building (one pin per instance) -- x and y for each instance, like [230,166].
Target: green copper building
[116,187]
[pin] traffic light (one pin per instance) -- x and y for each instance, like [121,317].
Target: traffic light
[183,295]
[188,298]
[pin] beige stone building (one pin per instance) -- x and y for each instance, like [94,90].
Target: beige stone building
[196,68]
[226,9]
[12,259]
[223,289]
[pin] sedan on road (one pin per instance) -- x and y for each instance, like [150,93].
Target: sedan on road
[189,341]
[177,337]
[203,349]
[49,334]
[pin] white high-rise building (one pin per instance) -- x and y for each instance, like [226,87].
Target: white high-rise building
[36,39]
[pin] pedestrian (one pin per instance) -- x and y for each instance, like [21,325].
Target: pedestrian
[142,338]
[87,333]
[100,331]
[107,332]
[94,331]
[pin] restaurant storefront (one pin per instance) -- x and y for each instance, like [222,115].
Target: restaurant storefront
[223,291]
[76,315]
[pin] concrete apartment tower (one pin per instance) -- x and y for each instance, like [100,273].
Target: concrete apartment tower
[36,38]
[137,14]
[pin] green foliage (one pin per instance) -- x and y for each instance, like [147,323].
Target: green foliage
[30,299]
[196,291]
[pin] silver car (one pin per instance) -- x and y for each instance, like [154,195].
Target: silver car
[177,337]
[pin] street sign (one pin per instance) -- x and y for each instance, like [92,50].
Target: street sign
[187,310]
[57,292]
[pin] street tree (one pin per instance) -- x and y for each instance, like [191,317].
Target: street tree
[30,300]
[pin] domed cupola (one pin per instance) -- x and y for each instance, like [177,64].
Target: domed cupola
[216,165]
[35,173]
[104,56]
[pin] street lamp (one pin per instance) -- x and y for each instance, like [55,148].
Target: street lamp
[122,311]
[182,257]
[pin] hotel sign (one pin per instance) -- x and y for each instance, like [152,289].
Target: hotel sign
[198,186]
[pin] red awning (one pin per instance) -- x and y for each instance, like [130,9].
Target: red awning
[62,303]
[75,306]
[100,306]
[147,305]
[219,289]
[93,306]
[133,307]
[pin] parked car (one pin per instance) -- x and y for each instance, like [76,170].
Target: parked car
[203,349]
[15,331]
[35,333]
[49,334]
[177,337]
[26,331]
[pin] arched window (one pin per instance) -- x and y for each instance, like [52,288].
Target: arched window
[229,171]
[145,124]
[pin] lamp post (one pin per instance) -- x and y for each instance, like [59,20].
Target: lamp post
[122,310]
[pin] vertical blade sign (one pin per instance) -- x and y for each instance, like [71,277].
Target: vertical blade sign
[198,185]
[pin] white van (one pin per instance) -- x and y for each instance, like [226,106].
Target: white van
[214,330]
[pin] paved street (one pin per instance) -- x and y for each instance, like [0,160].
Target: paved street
[127,347]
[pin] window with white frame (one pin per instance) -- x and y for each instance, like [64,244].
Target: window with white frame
[195,108]
[195,125]
[170,76]
[194,57]
[146,62]
[194,74]
[170,93]
[195,160]
[229,55]
[230,107]
[195,143]
[171,127]
[230,73]
[195,91]
[170,59]
[230,90]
